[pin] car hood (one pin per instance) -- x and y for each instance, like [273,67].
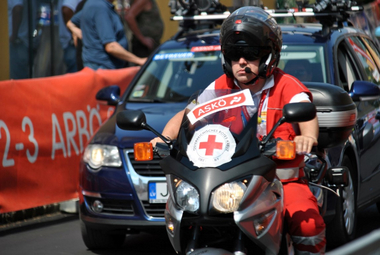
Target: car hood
[157,115]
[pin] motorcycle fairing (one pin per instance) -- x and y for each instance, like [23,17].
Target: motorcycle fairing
[263,193]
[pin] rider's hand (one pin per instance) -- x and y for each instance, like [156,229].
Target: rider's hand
[304,144]
[156,140]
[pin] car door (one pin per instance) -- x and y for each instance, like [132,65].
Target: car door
[359,60]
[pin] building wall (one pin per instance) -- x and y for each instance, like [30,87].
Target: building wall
[4,41]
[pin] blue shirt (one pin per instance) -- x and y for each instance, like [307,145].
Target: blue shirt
[100,24]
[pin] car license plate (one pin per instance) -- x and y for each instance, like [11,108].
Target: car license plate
[158,192]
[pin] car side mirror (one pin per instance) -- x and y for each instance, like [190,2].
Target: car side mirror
[110,94]
[364,91]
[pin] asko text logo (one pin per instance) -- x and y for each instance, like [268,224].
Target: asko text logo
[241,98]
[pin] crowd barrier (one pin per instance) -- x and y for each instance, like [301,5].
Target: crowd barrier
[365,245]
[45,124]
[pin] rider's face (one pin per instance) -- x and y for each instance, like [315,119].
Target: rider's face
[238,70]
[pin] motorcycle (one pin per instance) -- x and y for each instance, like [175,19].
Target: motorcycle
[225,197]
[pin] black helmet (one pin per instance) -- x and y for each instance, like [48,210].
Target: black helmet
[252,29]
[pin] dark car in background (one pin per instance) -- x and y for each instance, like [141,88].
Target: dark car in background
[119,195]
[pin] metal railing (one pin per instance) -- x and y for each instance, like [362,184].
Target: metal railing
[365,245]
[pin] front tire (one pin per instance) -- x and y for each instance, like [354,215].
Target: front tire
[99,239]
[378,206]
[343,226]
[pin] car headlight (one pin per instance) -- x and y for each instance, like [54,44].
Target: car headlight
[186,196]
[226,198]
[97,155]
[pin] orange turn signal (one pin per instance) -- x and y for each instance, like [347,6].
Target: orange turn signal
[143,151]
[285,150]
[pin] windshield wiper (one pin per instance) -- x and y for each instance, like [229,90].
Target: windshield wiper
[145,100]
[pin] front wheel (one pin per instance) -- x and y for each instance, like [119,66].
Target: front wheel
[343,226]
[99,239]
[378,206]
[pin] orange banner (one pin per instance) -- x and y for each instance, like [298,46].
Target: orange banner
[45,124]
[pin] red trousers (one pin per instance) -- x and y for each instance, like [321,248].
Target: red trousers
[305,225]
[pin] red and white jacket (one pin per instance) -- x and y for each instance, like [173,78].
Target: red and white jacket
[284,89]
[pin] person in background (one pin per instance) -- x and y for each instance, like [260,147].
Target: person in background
[78,42]
[102,32]
[300,68]
[20,58]
[66,9]
[145,22]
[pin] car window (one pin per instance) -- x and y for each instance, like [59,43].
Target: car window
[306,62]
[347,74]
[365,53]
[374,51]
[174,75]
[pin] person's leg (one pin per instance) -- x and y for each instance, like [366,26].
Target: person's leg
[70,58]
[19,61]
[305,224]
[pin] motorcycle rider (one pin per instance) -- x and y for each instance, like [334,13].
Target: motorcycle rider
[251,42]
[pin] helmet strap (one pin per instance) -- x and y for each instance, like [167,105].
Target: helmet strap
[252,81]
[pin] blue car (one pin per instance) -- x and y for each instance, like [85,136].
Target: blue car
[120,196]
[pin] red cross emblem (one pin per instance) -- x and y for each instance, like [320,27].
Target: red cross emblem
[210,145]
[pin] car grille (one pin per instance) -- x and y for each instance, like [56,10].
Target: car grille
[154,210]
[147,168]
[147,171]
[113,206]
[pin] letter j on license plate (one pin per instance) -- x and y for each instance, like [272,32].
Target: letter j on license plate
[158,192]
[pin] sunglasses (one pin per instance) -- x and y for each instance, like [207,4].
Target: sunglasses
[248,53]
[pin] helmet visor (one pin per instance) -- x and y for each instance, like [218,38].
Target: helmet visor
[249,53]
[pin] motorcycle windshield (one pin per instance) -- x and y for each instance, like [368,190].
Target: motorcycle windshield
[219,126]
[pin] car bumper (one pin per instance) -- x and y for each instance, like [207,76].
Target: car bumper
[108,198]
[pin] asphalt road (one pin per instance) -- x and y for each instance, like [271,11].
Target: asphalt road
[60,234]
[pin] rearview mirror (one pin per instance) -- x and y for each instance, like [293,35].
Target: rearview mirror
[299,112]
[294,112]
[136,120]
[131,120]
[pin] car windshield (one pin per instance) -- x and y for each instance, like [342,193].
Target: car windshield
[306,62]
[174,75]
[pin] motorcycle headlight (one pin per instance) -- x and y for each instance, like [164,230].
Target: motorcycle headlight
[227,197]
[97,155]
[187,197]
